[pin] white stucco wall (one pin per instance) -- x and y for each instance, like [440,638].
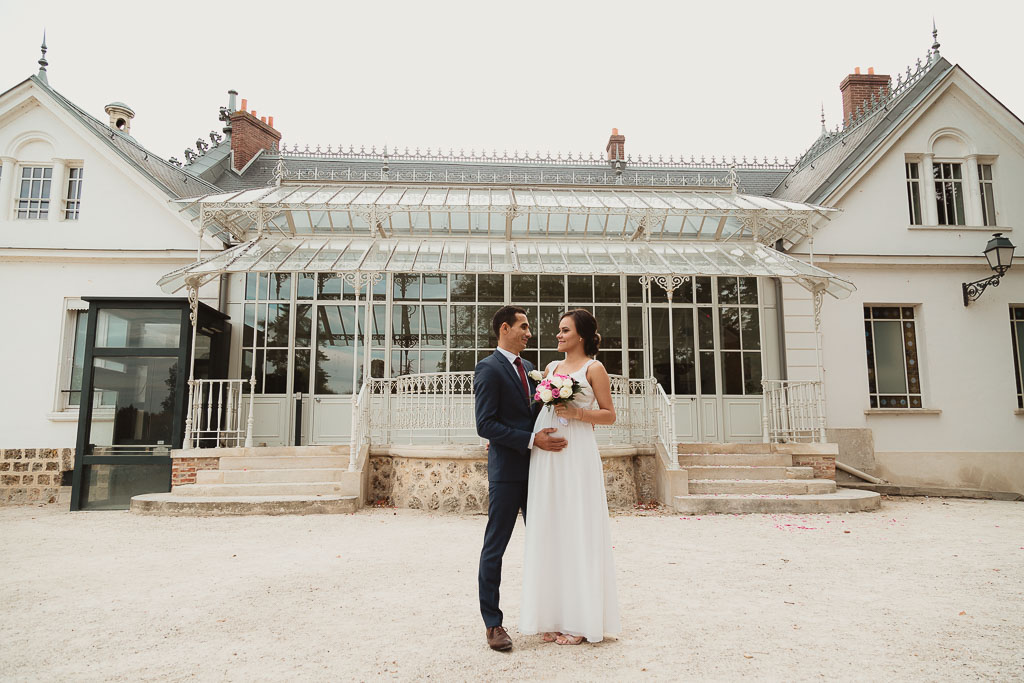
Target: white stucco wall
[128,236]
[965,353]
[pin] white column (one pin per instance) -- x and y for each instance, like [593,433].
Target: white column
[58,187]
[10,167]
[930,215]
[972,192]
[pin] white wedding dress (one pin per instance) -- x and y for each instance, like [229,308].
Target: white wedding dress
[568,571]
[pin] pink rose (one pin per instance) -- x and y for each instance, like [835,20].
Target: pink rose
[554,393]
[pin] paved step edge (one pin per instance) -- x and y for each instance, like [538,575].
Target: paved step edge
[843,500]
[278,475]
[215,506]
[747,472]
[801,487]
[283,462]
[261,489]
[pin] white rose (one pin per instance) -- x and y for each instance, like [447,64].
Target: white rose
[536,375]
[565,383]
[545,395]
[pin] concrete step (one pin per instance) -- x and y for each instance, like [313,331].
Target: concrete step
[315,475]
[792,487]
[172,504]
[749,459]
[843,500]
[272,489]
[746,472]
[286,462]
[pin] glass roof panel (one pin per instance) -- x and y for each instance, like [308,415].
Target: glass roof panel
[305,252]
[479,198]
[391,196]
[276,195]
[524,197]
[567,198]
[377,255]
[302,195]
[368,195]
[501,196]
[403,256]
[600,258]
[631,200]
[479,257]
[413,196]
[328,255]
[272,260]
[501,259]
[429,257]
[345,196]
[587,198]
[545,198]
[576,257]
[435,196]
[608,199]
[457,198]
[529,260]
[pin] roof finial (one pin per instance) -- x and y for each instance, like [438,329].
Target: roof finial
[935,42]
[823,129]
[42,60]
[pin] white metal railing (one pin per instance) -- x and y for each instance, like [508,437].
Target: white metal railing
[216,414]
[664,420]
[436,401]
[793,411]
[360,424]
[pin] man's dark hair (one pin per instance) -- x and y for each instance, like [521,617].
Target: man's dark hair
[505,314]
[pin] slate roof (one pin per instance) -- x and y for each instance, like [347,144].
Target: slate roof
[261,172]
[175,181]
[833,156]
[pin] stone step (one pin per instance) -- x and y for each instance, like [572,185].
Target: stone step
[271,476]
[172,504]
[843,500]
[746,472]
[754,459]
[286,462]
[265,489]
[792,487]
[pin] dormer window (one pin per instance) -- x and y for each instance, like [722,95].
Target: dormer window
[34,195]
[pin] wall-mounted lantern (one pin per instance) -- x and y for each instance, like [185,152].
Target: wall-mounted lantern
[999,252]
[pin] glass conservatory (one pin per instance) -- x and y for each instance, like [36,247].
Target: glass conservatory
[341,286]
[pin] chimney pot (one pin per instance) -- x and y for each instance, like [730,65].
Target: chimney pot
[245,104]
[856,70]
[263,119]
[871,70]
[270,121]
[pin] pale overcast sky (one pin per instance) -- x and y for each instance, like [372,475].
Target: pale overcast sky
[743,78]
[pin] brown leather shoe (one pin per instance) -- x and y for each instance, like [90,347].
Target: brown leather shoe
[498,638]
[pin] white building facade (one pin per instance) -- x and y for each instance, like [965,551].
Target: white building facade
[340,266]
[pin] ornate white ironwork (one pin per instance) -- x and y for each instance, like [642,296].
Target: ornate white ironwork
[192,292]
[670,283]
[215,413]
[793,411]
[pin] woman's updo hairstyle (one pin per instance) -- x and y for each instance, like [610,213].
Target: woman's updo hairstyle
[586,327]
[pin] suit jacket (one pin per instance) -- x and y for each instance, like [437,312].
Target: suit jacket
[505,417]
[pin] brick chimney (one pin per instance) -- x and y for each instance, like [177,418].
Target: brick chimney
[616,147]
[249,135]
[857,89]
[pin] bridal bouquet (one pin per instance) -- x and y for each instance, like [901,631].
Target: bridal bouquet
[554,390]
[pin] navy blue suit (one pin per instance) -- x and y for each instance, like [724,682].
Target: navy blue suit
[504,416]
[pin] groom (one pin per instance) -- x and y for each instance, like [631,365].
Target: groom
[505,417]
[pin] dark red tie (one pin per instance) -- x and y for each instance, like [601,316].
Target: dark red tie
[522,375]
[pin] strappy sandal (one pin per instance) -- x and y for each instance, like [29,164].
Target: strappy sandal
[550,636]
[566,639]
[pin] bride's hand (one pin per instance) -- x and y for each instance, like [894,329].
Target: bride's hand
[568,411]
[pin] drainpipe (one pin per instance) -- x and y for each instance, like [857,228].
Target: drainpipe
[222,296]
[780,312]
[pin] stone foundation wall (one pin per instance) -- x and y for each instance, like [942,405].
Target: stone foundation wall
[183,470]
[33,475]
[459,485]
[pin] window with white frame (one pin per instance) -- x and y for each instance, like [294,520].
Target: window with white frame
[73,366]
[73,197]
[34,193]
[949,193]
[914,192]
[988,195]
[1017,335]
[894,373]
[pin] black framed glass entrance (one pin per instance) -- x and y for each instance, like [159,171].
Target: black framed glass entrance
[137,358]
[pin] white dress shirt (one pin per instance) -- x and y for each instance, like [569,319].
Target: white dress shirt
[512,359]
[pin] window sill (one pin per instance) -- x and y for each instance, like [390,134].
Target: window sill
[1018,411]
[903,411]
[957,228]
[63,416]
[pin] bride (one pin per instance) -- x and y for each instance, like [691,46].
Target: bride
[568,571]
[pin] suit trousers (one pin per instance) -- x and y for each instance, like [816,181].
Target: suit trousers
[506,499]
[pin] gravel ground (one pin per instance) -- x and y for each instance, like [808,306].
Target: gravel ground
[925,589]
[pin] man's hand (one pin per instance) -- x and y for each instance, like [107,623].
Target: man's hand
[544,441]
